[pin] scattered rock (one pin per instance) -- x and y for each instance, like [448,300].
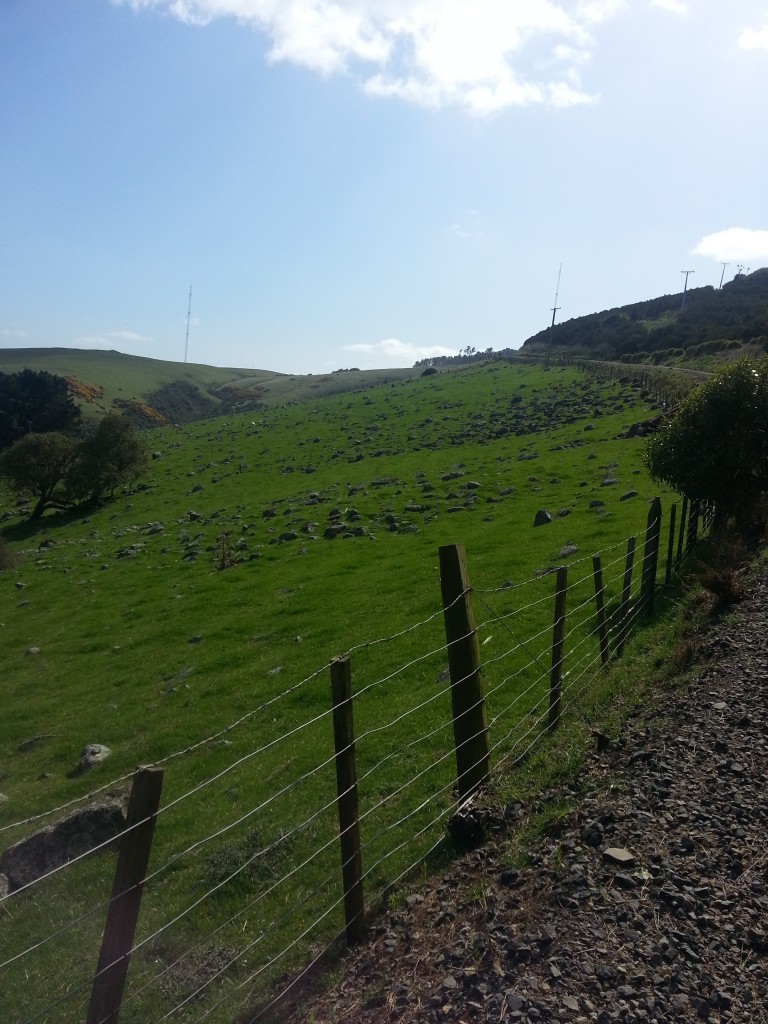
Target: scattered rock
[53,846]
[93,754]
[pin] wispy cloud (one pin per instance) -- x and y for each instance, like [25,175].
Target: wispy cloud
[13,335]
[673,6]
[393,352]
[483,56]
[734,244]
[469,225]
[110,339]
[755,38]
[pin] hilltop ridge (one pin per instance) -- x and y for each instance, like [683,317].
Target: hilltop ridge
[659,330]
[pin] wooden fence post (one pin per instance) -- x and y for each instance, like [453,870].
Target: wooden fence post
[124,904]
[625,595]
[671,544]
[681,535]
[650,557]
[602,625]
[558,634]
[470,723]
[693,527]
[346,787]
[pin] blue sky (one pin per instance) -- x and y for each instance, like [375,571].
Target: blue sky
[368,182]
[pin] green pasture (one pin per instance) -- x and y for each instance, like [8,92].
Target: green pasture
[136,378]
[212,594]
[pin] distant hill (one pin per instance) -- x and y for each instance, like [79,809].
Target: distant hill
[153,392]
[658,330]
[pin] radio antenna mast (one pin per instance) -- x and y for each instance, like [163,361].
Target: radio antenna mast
[554,311]
[557,292]
[189,311]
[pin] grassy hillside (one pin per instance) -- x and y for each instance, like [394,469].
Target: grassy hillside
[154,391]
[258,548]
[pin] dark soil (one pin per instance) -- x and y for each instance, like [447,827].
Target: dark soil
[648,904]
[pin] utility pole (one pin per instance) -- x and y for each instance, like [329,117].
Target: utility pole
[685,289]
[724,265]
[554,311]
[189,311]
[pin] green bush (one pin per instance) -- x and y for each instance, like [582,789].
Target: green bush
[715,449]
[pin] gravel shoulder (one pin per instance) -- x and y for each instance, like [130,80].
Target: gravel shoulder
[648,904]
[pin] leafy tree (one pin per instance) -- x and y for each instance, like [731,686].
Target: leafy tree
[715,449]
[38,464]
[112,456]
[35,401]
[61,472]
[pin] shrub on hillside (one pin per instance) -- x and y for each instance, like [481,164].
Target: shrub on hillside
[60,472]
[715,449]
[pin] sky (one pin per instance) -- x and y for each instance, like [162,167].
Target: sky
[368,182]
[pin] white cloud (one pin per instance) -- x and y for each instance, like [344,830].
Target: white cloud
[469,226]
[481,55]
[393,352]
[734,245]
[13,335]
[673,6]
[110,339]
[755,38]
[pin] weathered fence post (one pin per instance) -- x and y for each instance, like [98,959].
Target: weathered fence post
[693,526]
[470,723]
[558,634]
[602,626]
[346,787]
[650,557]
[124,904]
[625,595]
[681,535]
[670,544]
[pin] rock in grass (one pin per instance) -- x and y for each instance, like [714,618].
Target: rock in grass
[542,517]
[53,846]
[93,754]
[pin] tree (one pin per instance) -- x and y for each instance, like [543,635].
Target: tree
[61,472]
[112,456]
[38,465]
[715,448]
[35,401]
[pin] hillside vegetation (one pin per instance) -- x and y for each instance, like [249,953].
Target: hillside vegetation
[154,392]
[257,548]
[715,322]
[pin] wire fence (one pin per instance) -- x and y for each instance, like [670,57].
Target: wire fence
[235,919]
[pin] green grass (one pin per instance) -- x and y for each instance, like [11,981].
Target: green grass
[135,378]
[147,646]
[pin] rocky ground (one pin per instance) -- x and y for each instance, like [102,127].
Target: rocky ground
[647,902]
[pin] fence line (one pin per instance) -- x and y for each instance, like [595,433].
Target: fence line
[582,645]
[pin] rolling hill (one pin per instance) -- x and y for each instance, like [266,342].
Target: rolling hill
[154,392]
